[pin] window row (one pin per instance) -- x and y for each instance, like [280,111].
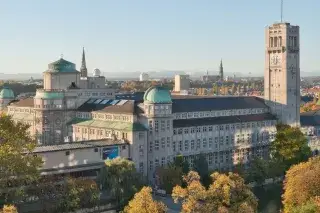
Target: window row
[222,127]
[218,113]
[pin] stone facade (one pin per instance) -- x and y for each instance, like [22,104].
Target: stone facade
[282,72]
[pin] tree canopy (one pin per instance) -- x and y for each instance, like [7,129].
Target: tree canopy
[144,203]
[171,174]
[290,146]
[226,193]
[121,178]
[18,165]
[302,187]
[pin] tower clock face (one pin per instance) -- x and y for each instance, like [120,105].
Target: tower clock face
[275,60]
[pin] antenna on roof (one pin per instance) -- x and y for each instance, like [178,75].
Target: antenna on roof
[281,11]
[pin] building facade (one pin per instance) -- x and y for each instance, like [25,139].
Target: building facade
[181,83]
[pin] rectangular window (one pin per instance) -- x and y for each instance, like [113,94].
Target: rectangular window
[221,140]
[174,146]
[150,146]
[204,129]
[156,126]
[141,169]
[186,131]
[198,129]
[168,141]
[179,131]
[210,142]
[180,145]
[186,145]
[163,126]
[192,130]
[163,161]
[156,144]
[210,128]
[163,142]
[168,125]
[198,144]
[151,165]
[204,143]
[192,144]
[210,160]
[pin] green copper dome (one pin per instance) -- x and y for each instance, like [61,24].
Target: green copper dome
[157,95]
[50,95]
[62,66]
[6,93]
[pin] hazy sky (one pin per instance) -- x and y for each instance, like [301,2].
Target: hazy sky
[143,35]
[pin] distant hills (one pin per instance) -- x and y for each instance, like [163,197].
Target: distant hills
[152,75]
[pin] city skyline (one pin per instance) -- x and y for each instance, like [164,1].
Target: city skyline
[144,36]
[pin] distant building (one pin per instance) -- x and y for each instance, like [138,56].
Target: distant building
[181,82]
[144,77]
[210,78]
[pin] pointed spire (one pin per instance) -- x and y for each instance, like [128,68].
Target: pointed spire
[83,68]
[221,71]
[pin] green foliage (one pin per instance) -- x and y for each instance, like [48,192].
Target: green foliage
[302,186]
[201,167]
[226,193]
[171,175]
[120,177]
[18,165]
[78,193]
[290,146]
[258,170]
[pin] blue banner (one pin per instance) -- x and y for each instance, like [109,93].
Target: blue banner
[110,153]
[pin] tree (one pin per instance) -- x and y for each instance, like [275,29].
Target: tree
[18,165]
[258,171]
[227,193]
[302,187]
[9,209]
[290,146]
[120,177]
[171,175]
[143,203]
[201,167]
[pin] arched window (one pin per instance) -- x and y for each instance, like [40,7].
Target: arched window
[271,41]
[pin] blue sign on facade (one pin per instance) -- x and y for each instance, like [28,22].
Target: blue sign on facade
[110,152]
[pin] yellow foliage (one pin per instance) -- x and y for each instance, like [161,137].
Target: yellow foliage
[226,194]
[302,185]
[144,203]
[9,209]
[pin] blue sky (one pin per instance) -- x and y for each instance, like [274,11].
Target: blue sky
[143,35]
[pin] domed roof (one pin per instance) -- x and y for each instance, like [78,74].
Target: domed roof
[6,92]
[157,95]
[96,72]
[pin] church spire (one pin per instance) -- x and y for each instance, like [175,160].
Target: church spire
[221,71]
[83,68]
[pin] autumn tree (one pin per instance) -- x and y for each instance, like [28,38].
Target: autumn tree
[171,175]
[120,177]
[9,209]
[78,193]
[18,165]
[302,187]
[227,193]
[290,146]
[144,203]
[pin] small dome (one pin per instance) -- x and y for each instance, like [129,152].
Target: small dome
[157,95]
[96,72]
[7,93]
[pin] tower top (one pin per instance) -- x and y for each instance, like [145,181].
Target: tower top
[83,68]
